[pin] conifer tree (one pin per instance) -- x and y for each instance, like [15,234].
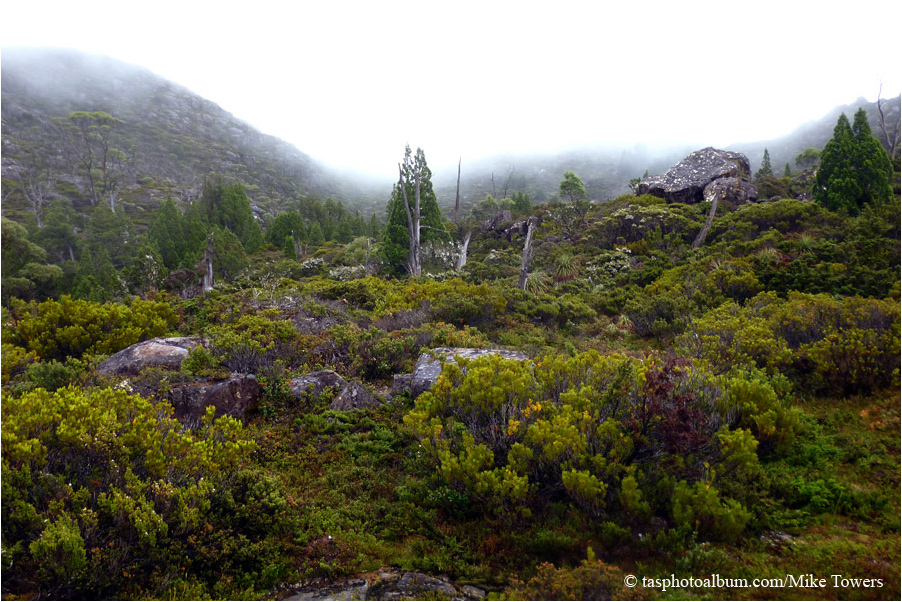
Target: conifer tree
[413,216]
[284,225]
[166,234]
[227,205]
[766,168]
[373,229]
[854,168]
[315,234]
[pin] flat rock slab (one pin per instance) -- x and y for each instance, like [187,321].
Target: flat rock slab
[685,182]
[387,585]
[163,353]
[349,395]
[352,589]
[429,365]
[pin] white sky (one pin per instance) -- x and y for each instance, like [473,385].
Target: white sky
[350,83]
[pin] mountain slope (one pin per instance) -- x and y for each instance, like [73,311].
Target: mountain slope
[172,137]
[817,133]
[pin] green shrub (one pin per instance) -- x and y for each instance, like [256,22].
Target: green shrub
[698,508]
[71,327]
[104,493]
[592,580]
[513,435]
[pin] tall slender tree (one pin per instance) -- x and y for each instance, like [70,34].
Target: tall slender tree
[766,169]
[413,215]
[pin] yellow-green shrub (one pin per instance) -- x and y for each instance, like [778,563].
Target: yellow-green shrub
[104,492]
[71,327]
[609,432]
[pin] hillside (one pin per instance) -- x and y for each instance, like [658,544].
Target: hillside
[815,134]
[171,137]
[694,395]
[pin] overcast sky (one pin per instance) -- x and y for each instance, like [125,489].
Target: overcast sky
[350,83]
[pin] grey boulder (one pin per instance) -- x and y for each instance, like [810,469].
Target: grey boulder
[429,365]
[235,396]
[349,395]
[162,353]
[686,181]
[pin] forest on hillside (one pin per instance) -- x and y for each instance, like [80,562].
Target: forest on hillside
[699,389]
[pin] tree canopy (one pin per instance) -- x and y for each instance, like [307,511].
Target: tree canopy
[854,168]
[396,249]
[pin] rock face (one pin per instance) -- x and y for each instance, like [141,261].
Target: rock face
[162,353]
[350,395]
[428,368]
[388,584]
[731,190]
[686,181]
[234,396]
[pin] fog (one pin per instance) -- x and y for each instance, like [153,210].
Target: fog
[350,83]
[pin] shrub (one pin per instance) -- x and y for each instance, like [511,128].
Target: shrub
[71,327]
[592,580]
[609,432]
[105,493]
[254,341]
[699,508]
[836,346]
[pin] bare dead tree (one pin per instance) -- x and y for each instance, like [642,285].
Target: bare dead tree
[300,248]
[36,187]
[413,221]
[703,233]
[507,181]
[457,198]
[208,265]
[527,251]
[462,255]
[891,141]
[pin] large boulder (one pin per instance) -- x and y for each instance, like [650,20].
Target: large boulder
[349,395]
[234,396]
[155,353]
[429,365]
[686,181]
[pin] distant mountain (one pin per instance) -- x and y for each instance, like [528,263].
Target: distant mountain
[172,138]
[817,133]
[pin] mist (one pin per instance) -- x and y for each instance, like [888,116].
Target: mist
[350,85]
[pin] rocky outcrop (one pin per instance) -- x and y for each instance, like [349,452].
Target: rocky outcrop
[389,584]
[687,181]
[155,353]
[233,396]
[731,190]
[429,365]
[349,395]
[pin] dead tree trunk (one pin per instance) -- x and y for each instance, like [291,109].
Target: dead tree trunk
[891,141]
[208,266]
[527,252]
[413,223]
[462,256]
[299,250]
[704,231]
[457,198]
